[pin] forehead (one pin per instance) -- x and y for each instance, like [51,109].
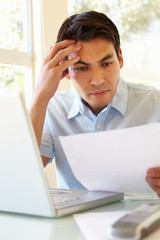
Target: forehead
[96,49]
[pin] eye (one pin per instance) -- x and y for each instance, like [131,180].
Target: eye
[106,64]
[81,68]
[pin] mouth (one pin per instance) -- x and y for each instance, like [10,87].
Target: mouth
[99,93]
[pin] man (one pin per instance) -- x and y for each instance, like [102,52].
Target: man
[88,52]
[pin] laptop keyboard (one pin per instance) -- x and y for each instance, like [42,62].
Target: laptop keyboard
[60,200]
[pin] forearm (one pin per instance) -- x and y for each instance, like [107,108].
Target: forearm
[52,71]
[37,114]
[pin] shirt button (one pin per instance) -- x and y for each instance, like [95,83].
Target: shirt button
[98,126]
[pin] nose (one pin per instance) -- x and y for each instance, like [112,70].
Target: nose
[97,78]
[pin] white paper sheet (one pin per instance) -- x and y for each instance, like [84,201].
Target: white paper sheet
[115,160]
[94,225]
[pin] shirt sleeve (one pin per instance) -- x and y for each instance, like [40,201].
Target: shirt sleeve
[47,148]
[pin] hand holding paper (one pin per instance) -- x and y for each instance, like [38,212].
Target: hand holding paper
[115,160]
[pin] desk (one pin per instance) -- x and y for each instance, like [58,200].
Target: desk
[20,227]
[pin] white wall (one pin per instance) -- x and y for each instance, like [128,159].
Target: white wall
[54,13]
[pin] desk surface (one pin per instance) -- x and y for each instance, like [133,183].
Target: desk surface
[18,227]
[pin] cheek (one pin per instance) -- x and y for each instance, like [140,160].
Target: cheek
[79,82]
[79,87]
[114,75]
[76,75]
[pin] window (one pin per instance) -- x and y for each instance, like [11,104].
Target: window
[15,46]
[138,22]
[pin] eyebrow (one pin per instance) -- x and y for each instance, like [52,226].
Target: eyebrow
[81,62]
[108,56]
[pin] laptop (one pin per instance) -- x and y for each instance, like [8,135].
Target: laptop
[23,184]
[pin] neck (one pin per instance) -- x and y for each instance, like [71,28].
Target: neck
[95,110]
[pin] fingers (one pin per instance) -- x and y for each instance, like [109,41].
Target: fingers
[154,172]
[61,45]
[153,179]
[62,67]
[64,53]
[58,47]
[54,68]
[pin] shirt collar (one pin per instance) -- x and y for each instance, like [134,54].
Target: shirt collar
[76,106]
[119,102]
[120,99]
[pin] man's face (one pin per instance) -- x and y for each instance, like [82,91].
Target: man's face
[96,75]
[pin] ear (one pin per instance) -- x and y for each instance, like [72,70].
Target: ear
[120,58]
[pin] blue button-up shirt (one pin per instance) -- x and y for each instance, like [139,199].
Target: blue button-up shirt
[66,114]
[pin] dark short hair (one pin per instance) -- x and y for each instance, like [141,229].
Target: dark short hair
[87,26]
